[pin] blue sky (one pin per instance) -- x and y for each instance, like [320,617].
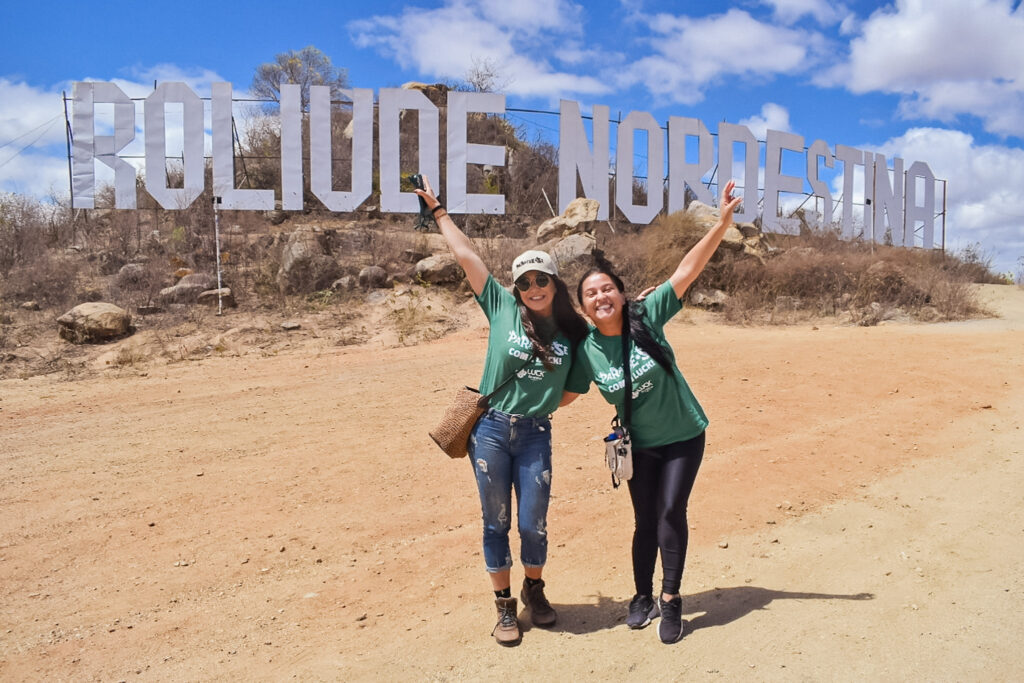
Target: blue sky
[941,81]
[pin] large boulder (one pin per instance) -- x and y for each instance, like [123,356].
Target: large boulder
[374,277]
[573,249]
[703,213]
[131,276]
[577,217]
[733,239]
[94,322]
[188,289]
[306,262]
[206,280]
[214,297]
[438,269]
[713,299]
[345,283]
[437,93]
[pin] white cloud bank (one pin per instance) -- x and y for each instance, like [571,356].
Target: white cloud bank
[986,189]
[693,54]
[518,38]
[945,58]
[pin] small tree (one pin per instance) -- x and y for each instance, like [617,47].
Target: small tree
[485,75]
[307,67]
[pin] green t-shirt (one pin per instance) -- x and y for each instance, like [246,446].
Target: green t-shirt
[535,391]
[663,411]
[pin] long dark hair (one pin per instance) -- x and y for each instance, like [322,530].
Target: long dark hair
[633,316]
[567,320]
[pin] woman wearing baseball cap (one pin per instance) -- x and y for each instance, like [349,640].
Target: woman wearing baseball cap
[533,335]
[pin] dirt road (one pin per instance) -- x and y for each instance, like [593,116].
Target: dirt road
[859,515]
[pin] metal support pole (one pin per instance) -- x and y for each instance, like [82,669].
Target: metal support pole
[944,187]
[550,208]
[71,181]
[905,212]
[216,236]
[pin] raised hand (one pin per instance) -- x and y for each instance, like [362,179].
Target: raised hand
[728,203]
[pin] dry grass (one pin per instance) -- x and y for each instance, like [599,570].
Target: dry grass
[807,276]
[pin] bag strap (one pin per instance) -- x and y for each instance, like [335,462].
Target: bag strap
[484,399]
[628,405]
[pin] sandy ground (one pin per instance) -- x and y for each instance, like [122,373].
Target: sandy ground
[858,516]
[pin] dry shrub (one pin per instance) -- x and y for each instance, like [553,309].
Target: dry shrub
[139,283]
[50,278]
[128,356]
[814,274]
[498,253]
[646,257]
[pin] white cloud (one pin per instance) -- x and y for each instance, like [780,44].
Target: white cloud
[946,58]
[27,114]
[850,25]
[824,12]
[34,174]
[692,54]
[198,79]
[530,16]
[986,188]
[472,32]
[772,117]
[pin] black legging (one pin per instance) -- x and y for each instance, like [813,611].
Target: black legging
[660,488]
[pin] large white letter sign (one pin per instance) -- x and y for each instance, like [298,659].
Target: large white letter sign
[925,213]
[156,146]
[320,144]
[775,182]
[88,147]
[820,150]
[574,156]
[728,135]
[888,200]
[224,158]
[461,152]
[291,147]
[682,174]
[851,158]
[392,101]
[642,213]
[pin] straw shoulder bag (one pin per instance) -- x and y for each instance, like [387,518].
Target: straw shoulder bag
[461,415]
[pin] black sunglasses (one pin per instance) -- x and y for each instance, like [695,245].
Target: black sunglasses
[524,283]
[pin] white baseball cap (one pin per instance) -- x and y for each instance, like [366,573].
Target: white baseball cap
[533,260]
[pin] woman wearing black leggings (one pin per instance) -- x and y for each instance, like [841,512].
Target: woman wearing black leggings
[668,472]
[666,423]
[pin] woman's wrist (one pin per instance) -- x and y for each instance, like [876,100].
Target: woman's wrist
[438,211]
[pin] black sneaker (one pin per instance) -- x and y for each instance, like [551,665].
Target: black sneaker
[642,609]
[670,630]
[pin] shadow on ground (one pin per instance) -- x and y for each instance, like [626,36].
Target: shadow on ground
[721,606]
[715,607]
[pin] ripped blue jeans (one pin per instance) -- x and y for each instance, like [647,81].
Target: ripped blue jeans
[513,452]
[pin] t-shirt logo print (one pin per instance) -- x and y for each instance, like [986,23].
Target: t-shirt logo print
[534,374]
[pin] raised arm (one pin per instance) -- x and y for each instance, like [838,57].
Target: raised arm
[461,246]
[695,259]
